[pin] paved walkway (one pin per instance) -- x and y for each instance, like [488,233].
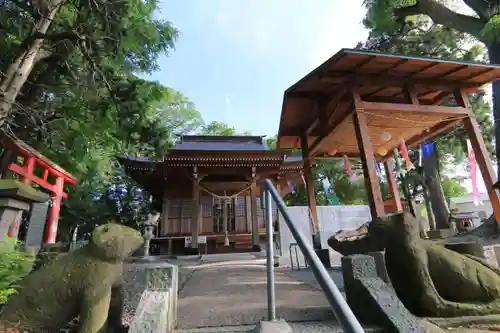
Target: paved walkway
[235,294]
[306,275]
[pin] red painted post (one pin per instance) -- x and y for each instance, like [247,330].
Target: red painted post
[53,219]
[29,166]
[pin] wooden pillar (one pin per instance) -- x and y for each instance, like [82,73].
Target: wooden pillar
[367,159]
[53,219]
[195,215]
[311,191]
[481,153]
[29,166]
[248,212]
[255,221]
[393,185]
[164,213]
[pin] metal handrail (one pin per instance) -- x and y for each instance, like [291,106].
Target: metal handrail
[341,310]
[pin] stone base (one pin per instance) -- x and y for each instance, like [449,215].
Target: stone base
[256,248]
[441,233]
[277,326]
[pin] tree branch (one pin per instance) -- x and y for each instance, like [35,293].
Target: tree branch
[440,14]
[481,7]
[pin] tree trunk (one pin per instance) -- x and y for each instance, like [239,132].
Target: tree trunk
[18,72]
[436,195]
[494,55]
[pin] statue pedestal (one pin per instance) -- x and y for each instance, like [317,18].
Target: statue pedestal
[157,308]
[11,213]
[16,198]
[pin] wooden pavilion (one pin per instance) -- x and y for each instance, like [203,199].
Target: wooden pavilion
[209,187]
[362,104]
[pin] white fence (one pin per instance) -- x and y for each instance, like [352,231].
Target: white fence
[331,219]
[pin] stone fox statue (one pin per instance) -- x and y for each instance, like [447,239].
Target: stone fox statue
[76,285]
[429,279]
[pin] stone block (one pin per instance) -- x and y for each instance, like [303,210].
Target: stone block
[357,266]
[490,254]
[441,233]
[372,300]
[276,326]
[157,308]
[380,265]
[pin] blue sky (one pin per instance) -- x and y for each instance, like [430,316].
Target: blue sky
[235,58]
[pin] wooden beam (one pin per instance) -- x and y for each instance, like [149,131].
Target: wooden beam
[367,158]
[481,154]
[342,77]
[22,172]
[393,185]
[441,97]
[335,120]
[54,211]
[255,221]
[330,106]
[412,108]
[310,185]
[410,95]
[195,215]
[432,132]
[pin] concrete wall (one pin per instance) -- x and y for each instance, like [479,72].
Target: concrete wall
[331,220]
[469,206]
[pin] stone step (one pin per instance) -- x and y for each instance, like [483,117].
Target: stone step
[297,327]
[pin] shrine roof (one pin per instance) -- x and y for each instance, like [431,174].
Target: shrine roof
[235,143]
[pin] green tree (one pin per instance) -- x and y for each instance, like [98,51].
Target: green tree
[217,128]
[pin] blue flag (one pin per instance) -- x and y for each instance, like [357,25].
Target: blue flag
[428,149]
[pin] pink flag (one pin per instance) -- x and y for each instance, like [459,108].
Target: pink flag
[404,152]
[476,197]
[347,166]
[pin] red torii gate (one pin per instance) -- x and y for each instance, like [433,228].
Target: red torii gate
[26,171]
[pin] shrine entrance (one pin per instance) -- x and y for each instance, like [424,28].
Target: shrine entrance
[209,187]
[224,209]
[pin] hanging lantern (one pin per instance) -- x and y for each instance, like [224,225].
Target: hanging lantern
[332,152]
[386,136]
[382,151]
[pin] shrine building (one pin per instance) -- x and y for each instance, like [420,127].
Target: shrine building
[209,187]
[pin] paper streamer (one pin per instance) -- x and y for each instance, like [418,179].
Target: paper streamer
[347,166]
[404,153]
[476,196]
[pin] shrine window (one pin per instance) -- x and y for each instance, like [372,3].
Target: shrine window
[187,208]
[240,208]
[207,204]
[174,211]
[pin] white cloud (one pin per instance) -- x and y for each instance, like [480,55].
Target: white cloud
[227,100]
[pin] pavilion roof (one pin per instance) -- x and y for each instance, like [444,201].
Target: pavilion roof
[319,105]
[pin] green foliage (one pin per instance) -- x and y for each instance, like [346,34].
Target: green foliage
[452,188]
[491,30]
[217,128]
[14,265]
